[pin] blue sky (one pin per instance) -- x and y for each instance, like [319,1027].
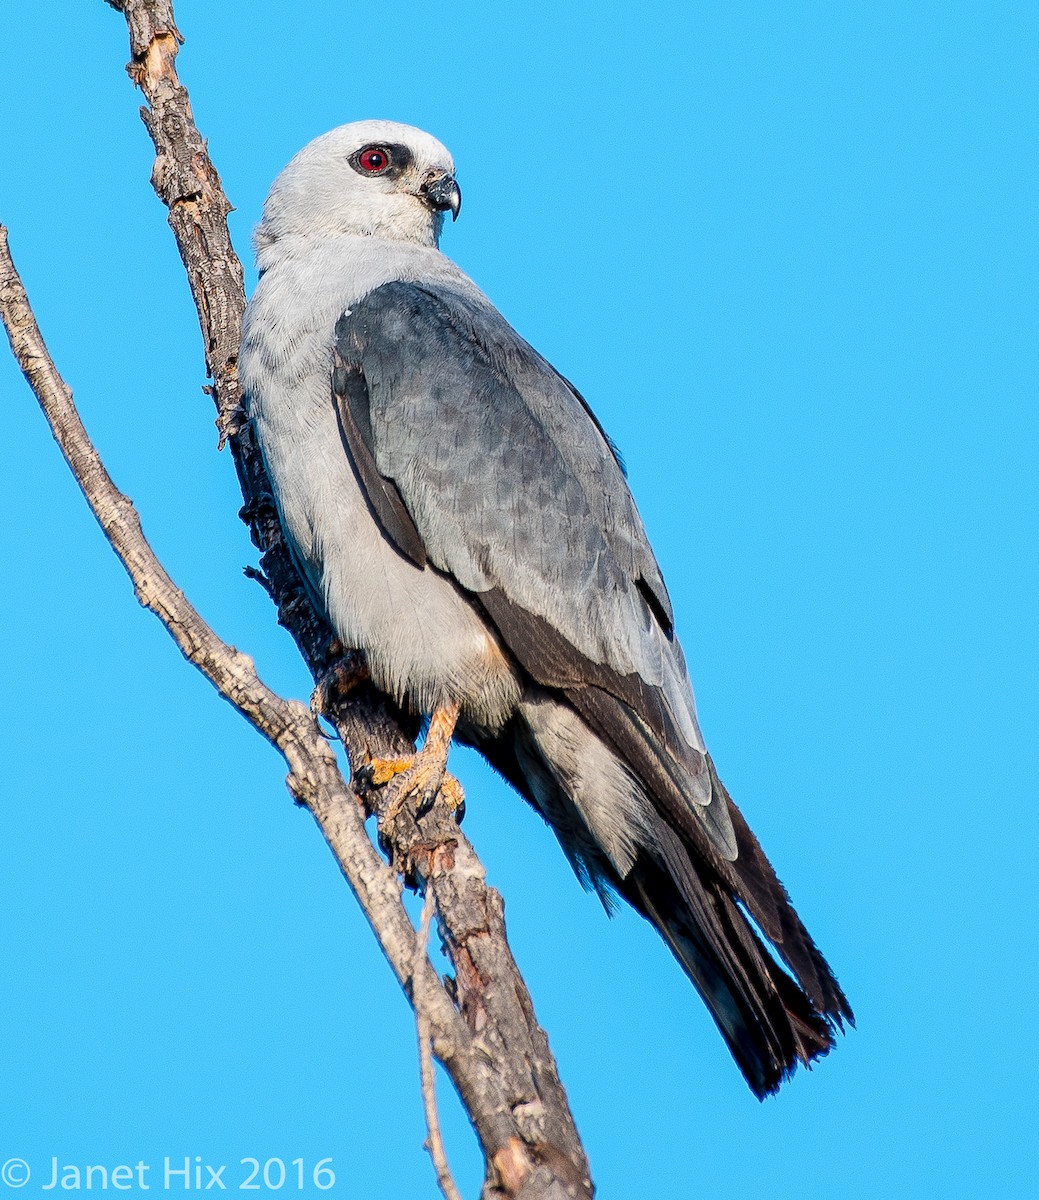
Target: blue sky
[788,252]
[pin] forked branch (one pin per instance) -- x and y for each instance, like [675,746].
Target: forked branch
[506,1078]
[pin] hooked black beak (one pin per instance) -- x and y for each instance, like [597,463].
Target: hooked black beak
[442,193]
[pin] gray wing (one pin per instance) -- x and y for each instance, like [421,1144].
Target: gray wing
[477,455]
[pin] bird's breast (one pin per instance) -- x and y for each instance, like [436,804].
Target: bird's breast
[425,641]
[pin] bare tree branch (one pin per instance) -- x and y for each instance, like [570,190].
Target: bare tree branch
[314,779]
[485,1031]
[434,1139]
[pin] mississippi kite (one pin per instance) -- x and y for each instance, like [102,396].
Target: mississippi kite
[462,518]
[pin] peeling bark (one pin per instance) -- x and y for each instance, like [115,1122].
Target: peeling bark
[481,1023]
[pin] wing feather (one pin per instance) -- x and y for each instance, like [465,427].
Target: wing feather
[478,455]
[350,395]
[507,479]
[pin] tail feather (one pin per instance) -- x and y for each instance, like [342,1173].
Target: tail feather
[767,1021]
[754,880]
[708,908]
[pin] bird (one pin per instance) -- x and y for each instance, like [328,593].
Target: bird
[459,514]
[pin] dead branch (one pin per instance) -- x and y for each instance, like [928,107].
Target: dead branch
[506,1076]
[314,776]
[434,1138]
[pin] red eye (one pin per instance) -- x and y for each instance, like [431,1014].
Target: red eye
[374,160]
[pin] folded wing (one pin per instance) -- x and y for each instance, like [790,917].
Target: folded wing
[480,460]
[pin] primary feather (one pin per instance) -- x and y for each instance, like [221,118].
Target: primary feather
[465,521]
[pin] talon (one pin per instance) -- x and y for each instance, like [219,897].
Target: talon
[454,796]
[339,680]
[450,792]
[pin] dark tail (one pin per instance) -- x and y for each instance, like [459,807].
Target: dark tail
[715,912]
[771,1018]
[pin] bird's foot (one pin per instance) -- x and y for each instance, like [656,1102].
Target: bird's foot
[427,782]
[422,775]
[453,796]
[378,771]
[338,681]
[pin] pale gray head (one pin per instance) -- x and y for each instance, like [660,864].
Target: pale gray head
[374,178]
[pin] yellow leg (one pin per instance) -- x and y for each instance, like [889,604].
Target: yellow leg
[425,772]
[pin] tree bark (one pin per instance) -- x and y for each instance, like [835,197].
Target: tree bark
[482,1026]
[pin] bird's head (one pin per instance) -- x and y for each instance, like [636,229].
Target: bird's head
[375,178]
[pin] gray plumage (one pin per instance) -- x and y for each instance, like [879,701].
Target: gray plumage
[462,517]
